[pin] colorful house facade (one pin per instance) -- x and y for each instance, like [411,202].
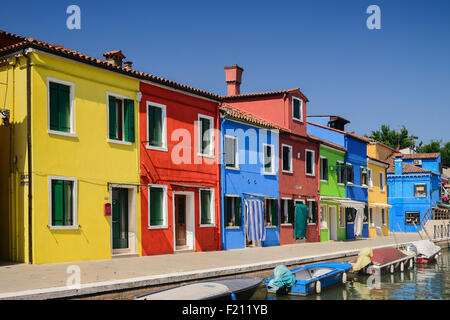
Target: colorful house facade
[413,191]
[72,163]
[179,152]
[299,153]
[249,180]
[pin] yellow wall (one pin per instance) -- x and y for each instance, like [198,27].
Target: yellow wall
[379,151]
[88,157]
[375,195]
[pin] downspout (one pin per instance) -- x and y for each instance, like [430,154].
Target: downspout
[30,225]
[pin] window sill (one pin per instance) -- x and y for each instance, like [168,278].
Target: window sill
[311,224]
[61,133]
[211,156]
[233,168]
[157,227]
[326,181]
[64,227]
[364,187]
[310,174]
[341,184]
[270,227]
[269,173]
[350,184]
[207,226]
[148,147]
[287,224]
[233,227]
[341,227]
[323,228]
[297,119]
[126,143]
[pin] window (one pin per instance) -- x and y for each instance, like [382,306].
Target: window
[369,177]
[323,169]
[363,172]
[366,214]
[420,190]
[269,157]
[340,168]
[60,107]
[371,220]
[412,218]
[287,158]
[120,119]
[156,126]
[351,214]
[323,217]
[350,173]
[383,217]
[341,217]
[63,202]
[297,109]
[271,212]
[206,135]
[233,211]
[382,184]
[309,162]
[157,206]
[231,152]
[287,211]
[312,211]
[207,207]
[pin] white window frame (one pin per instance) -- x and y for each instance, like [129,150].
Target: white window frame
[72,132]
[75,203]
[307,214]
[382,181]
[291,169]
[211,207]
[353,173]
[313,159]
[236,153]
[322,227]
[367,178]
[426,190]
[370,178]
[165,206]
[121,97]
[164,126]
[301,109]
[273,172]
[211,136]
[285,206]
[320,162]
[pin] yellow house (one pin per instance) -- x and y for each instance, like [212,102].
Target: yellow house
[377,153]
[77,197]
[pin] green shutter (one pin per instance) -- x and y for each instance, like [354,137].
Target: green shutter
[68,203]
[274,212]
[112,118]
[54,110]
[205,138]
[64,108]
[57,202]
[129,120]
[155,126]
[205,198]
[156,206]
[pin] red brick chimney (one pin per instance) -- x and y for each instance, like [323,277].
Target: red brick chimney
[115,57]
[233,77]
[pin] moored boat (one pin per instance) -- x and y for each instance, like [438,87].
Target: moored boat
[426,250]
[221,289]
[312,278]
[383,260]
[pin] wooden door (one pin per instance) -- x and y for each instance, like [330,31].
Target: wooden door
[180,220]
[119,199]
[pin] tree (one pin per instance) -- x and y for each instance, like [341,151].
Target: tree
[392,138]
[435,147]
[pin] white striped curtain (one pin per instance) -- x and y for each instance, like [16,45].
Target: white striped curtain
[254,220]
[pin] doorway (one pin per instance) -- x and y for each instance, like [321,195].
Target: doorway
[333,222]
[119,199]
[378,222]
[184,220]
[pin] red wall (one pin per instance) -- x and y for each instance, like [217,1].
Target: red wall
[157,167]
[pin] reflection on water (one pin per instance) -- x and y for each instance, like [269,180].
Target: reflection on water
[422,282]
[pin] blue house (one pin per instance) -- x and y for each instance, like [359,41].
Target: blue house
[413,189]
[249,180]
[354,170]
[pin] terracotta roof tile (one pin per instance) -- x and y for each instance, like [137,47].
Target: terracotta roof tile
[421,156]
[262,94]
[407,168]
[235,113]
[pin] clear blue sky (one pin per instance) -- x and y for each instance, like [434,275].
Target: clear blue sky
[399,75]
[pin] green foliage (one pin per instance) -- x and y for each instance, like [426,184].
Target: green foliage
[392,138]
[436,146]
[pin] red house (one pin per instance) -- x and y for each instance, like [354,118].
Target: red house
[179,168]
[299,152]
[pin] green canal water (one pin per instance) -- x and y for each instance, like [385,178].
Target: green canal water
[425,282]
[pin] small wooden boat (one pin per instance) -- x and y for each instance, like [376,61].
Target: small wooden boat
[386,260]
[426,250]
[313,278]
[221,289]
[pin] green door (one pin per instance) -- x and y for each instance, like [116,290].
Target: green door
[120,218]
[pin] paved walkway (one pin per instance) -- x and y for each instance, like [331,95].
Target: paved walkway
[24,281]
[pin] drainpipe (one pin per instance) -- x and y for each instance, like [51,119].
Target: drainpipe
[30,233]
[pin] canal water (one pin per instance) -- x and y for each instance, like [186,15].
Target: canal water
[425,282]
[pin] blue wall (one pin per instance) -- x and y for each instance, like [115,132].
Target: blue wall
[249,178]
[429,164]
[326,134]
[401,197]
[357,156]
